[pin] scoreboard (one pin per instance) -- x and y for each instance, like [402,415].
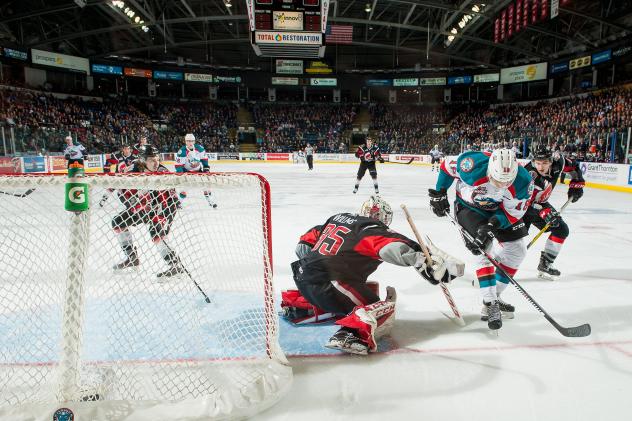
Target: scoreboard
[288,28]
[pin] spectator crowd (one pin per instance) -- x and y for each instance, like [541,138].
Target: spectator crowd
[592,126]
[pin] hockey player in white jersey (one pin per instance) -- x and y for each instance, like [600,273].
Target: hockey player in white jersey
[192,158]
[435,157]
[493,192]
[74,152]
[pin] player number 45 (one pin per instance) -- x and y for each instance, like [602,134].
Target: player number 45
[330,240]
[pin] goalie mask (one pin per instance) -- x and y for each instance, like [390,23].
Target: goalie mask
[377,208]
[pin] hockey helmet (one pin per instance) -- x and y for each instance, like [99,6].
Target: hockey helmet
[377,208]
[542,153]
[503,166]
[150,151]
[189,137]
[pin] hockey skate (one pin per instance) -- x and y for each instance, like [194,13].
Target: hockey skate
[347,341]
[545,268]
[355,189]
[175,269]
[506,309]
[131,262]
[494,315]
[210,200]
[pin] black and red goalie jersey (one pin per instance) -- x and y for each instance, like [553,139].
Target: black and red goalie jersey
[369,153]
[350,247]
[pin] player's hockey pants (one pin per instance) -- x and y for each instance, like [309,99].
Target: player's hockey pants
[558,234]
[509,251]
[332,296]
[364,165]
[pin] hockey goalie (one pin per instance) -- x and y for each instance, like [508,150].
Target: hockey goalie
[335,261]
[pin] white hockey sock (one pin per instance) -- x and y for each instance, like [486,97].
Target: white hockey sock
[125,239]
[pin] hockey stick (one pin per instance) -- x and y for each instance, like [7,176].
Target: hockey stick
[401,163]
[26,193]
[446,292]
[547,226]
[572,332]
[208,300]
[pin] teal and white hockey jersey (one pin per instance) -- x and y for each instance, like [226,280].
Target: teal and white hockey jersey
[194,160]
[474,190]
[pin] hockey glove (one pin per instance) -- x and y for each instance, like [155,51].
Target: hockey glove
[575,190]
[551,217]
[485,234]
[444,267]
[439,202]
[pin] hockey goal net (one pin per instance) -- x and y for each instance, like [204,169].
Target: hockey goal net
[122,343]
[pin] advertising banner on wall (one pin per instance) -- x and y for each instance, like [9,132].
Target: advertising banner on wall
[159,74]
[599,172]
[283,20]
[291,81]
[34,164]
[57,164]
[432,81]
[411,81]
[198,77]
[601,56]
[578,63]
[323,81]
[559,67]
[106,69]
[10,165]
[289,67]
[459,80]
[233,156]
[487,78]
[133,72]
[15,54]
[288,38]
[278,156]
[378,82]
[74,63]
[252,156]
[528,73]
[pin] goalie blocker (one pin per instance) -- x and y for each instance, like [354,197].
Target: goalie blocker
[336,259]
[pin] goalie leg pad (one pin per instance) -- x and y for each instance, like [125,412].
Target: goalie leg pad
[296,309]
[371,321]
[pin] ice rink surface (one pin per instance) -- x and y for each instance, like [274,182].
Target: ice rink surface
[437,370]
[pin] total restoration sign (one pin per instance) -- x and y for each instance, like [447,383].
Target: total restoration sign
[526,73]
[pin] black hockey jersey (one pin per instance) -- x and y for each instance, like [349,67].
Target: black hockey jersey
[544,184]
[122,163]
[350,247]
[369,154]
[151,201]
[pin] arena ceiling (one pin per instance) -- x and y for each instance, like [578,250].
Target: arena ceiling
[394,34]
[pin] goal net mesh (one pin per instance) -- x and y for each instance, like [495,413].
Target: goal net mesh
[109,342]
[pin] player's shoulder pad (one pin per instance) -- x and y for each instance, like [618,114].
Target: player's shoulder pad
[523,184]
[182,151]
[199,147]
[472,166]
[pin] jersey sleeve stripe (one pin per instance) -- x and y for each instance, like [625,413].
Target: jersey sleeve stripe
[371,245]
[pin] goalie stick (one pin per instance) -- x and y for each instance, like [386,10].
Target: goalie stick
[26,193]
[571,332]
[546,227]
[446,292]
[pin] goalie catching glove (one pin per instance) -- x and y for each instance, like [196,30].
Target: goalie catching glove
[444,267]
